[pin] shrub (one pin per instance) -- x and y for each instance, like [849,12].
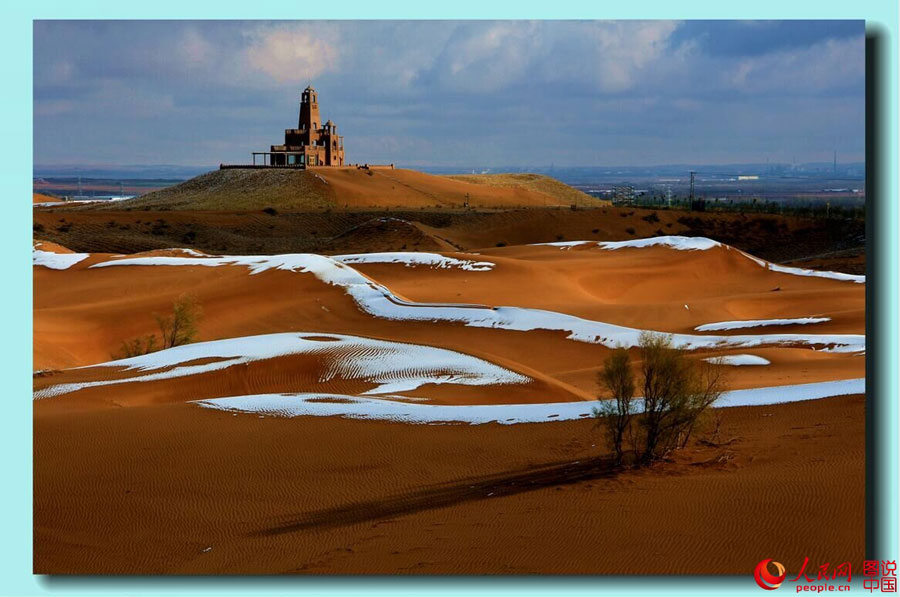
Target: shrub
[271,211]
[677,391]
[629,230]
[136,347]
[180,327]
[619,380]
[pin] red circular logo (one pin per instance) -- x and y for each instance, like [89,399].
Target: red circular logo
[766,579]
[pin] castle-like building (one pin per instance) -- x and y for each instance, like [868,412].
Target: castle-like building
[311,143]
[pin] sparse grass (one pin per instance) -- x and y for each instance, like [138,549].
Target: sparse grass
[240,190]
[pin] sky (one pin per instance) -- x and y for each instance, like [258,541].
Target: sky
[452,93]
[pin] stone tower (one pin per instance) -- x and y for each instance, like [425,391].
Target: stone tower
[309,110]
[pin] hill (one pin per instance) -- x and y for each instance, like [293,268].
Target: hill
[535,182]
[358,188]
[41,198]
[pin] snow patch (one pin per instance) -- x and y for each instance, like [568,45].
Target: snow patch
[57,260]
[753,323]
[392,366]
[564,244]
[700,243]
[357,407]
[738,359]
[433,260]
[797,271]
[679,243]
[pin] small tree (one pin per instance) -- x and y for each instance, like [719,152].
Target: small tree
[180,327]
[676,392]
[619,380]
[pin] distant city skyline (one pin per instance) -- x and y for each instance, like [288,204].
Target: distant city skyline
[453,94]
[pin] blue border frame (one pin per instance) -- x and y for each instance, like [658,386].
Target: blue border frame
[16,169]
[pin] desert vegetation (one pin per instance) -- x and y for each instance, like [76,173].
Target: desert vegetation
[176,328]
[676,392]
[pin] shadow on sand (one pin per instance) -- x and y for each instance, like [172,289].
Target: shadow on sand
[447,494]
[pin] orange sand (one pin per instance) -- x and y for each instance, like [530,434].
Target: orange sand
[130,478]
[176,489]
[41,198]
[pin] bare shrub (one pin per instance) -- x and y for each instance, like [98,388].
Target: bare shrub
[676,392]
[618,378]
[176,329]
[181,326]
[136,347]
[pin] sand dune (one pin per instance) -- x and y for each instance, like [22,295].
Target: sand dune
[407,297]
[235,453]
[352,187]
[41,198]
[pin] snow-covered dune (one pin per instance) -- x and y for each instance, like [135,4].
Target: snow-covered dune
[390,366]
[356,407]
[700,243]
[378,301]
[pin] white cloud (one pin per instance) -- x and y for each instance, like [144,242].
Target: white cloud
[813,69]
[293,54]
[486,57]
[623,49]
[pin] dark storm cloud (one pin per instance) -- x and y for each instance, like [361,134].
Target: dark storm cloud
[452,93]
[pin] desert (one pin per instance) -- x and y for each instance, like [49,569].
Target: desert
[431,412]
[457,297]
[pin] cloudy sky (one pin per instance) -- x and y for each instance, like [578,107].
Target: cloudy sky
[452,93]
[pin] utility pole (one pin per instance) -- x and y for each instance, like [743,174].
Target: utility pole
[691,199]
